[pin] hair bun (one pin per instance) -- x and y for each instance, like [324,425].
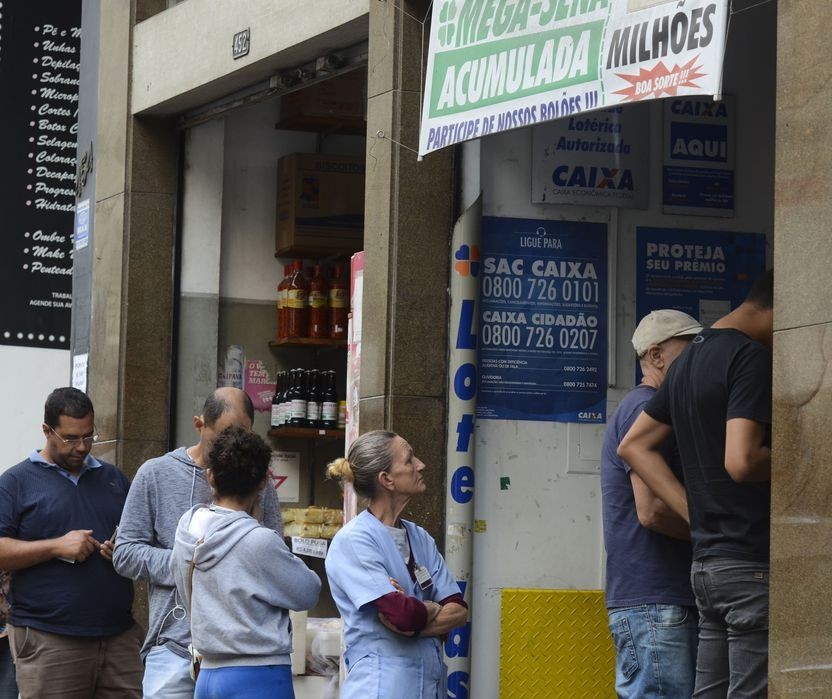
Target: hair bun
[340,469]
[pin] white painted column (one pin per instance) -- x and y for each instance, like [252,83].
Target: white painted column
[199,266]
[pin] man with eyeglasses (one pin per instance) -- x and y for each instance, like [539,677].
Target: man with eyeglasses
[72,632]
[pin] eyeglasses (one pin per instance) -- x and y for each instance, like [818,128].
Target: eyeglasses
[89,440]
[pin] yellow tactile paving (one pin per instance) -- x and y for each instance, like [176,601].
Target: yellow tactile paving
[555,644]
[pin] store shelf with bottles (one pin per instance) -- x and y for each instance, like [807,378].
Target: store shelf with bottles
[312,308]
[305,405]
[312,315]
[307,415]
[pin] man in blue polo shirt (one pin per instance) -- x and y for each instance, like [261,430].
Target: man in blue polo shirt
[72,633]
[651,606]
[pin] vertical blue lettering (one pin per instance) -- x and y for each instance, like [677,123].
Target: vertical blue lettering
[465,381]
[464,428]
[458,685]
[462,484]
[458,644]
[466,338]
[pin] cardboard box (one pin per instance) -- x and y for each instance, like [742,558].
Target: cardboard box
[341,99]
[320,204]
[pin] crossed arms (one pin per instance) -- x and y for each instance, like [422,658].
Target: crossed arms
[746,457]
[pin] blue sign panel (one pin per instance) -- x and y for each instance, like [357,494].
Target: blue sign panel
[696,187]
[543,321]
[698,166]
[703,273]
[704,143]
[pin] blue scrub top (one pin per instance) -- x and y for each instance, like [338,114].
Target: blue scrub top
[381,663]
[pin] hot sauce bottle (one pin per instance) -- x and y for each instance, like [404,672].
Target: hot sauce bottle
[329,403]
[297,291]
[281,303]
[338,302]
[318,301]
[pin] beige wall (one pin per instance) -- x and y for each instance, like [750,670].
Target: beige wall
[801,578]
[182,56]
[408,220]
[135,198]
[408,216]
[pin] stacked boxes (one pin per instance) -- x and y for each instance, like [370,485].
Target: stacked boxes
[320,204]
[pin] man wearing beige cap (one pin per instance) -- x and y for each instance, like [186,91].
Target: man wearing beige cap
[651,607]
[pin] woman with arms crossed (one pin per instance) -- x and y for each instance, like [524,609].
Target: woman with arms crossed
[391,585]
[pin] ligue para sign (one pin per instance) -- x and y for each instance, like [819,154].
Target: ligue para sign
[496,65]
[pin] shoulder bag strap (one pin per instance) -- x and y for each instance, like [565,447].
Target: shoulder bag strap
[191,575]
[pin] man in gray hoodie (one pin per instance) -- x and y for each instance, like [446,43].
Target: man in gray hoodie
[162,491]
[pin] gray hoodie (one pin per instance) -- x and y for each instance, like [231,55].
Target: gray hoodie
[245,580]
[162,490]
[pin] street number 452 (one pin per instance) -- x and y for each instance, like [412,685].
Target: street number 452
[240,44]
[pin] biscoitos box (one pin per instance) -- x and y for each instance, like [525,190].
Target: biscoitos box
[320,204]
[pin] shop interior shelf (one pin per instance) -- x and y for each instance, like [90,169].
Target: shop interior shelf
[330,254]
[323,125]
[307,342]
[306,433]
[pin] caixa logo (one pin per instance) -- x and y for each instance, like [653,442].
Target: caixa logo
[593,177]
[590,415]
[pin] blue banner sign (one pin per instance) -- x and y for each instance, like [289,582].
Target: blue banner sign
[543,321]
[703,273]
[698,172]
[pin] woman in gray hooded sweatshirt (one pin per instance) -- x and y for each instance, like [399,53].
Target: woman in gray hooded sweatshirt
[243,580]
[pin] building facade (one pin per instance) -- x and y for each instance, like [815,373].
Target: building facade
[188,117]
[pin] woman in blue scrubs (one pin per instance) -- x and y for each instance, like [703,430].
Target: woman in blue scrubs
[395,594]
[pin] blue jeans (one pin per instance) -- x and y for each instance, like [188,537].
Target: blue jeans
[655,651]
[166,675]
[260,682]
[732,596]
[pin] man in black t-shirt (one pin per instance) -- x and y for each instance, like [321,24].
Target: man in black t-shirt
[717,402]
